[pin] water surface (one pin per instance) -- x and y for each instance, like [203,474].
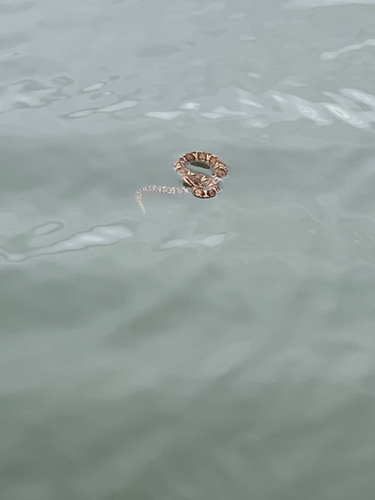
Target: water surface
[212,349]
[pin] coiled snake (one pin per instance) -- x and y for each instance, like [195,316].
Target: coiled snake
[199,185]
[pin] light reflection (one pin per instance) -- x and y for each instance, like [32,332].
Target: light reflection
[105,109]
[97,236]
[313,4]
[326,56]
[345,116]
[207,241]
[93,87]
[165,115]
[361,96]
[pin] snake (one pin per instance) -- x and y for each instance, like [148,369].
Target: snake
[200,185]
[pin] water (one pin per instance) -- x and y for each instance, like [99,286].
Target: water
[212,349]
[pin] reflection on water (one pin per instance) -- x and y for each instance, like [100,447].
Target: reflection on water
[212,349]
[96,236]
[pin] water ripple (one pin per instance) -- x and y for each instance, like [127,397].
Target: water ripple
[354,107]
[346,117]
[164,115]
[28,94]
[104,109]
[208,241]
[351,106]
[313,4]
[93,87]
[96,236]
[326,56]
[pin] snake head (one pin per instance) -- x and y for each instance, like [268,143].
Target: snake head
[201,192]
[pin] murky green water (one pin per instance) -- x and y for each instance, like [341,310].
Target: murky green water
[213,349]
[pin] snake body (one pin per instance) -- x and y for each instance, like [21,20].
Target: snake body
[199,185]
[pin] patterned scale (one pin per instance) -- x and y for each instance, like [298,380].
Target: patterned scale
[200,185]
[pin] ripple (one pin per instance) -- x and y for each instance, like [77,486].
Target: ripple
[312,4]
[47,228]
[112,108]
[62,81]
[80,114]
[8,55]
[221,113]
[345,116]
[93,87]
[360,96]
[29,94]
[327,56]
[190,105]
[260,110]
[97,236]
[119,106]
[165,115]
[207,241]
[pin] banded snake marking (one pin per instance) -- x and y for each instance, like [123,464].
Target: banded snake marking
[199,185]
